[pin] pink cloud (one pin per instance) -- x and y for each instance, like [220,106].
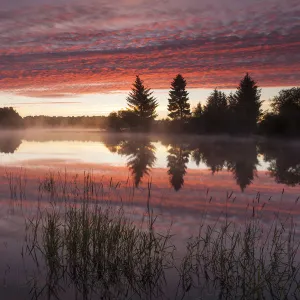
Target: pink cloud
[66,47]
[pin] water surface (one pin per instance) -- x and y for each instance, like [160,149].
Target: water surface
[189,176]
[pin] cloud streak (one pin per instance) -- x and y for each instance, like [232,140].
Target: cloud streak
[64,47]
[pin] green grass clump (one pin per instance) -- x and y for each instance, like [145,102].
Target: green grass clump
[98,250]
[95,249]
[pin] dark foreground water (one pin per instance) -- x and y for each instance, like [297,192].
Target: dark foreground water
[192,179]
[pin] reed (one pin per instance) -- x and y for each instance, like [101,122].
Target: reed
[95,248]
[99,250]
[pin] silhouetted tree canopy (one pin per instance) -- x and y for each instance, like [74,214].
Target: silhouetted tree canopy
[197,111]
[122,120]
[285,116]
[245,106]
[215,112]
[114,122]
[141,102]
[287,102]
[179,107]
[9,118]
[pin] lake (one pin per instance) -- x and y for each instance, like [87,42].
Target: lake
[183,179]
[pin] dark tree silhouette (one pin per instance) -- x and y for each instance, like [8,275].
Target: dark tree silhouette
[178,159]
[179,107]
[197,111]
[287,102]
[9,118]
[141,102]
[122,120]
[285,116]
[245,106]
[196,121]
[114,122]
[215,112]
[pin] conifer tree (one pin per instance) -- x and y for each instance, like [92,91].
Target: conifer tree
[247,105]
[197,111]
[216,102]
[179,107]
[142,103]
[216,112]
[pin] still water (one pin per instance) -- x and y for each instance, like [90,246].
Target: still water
[188,175]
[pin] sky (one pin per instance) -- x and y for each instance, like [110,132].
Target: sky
[68,57]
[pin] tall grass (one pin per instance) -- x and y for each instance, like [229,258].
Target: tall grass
[17,183]
[96,249]
[248,262]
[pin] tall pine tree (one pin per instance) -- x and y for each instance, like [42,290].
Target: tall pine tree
[246,105]
[179,107]
[142,103]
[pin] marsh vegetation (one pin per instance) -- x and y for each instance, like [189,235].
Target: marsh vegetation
[85,245]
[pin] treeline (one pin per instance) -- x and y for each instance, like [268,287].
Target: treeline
[239,113]
[80,121]
[9,118]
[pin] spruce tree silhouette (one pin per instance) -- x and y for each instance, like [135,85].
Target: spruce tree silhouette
[245,106]
[142,104]
[179,107]
[178,159]
[215,112]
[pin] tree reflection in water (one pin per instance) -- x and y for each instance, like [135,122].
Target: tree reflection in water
[238,157]
[178,159]
[140,155]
